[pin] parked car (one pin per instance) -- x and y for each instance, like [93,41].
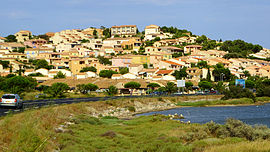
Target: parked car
[200,92]
[213,91]
[12,100]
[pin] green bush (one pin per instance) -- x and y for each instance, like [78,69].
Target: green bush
[236,128]
[131,108]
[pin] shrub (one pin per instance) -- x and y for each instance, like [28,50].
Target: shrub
[131,108]
[236,128]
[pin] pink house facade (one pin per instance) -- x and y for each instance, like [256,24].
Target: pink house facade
[121,62]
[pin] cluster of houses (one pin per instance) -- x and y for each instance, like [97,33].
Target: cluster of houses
[70,51]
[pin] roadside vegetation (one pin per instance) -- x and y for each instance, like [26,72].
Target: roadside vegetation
[35,130]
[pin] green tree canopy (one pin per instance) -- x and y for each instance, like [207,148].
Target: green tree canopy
[238,92]
[112,90]
[86,69]
[42,64]
[180,74]
[5,64]
[202,39]
[188,84]
[57,89]
[107,32]
[205,85]
[241,47]
[221,73]
[11,38]
[104,60]
[124,70]
[202,64]
[18,84]
[59,75]
[132,85]
[153,85]
[107,73]
[171,87]
[85,88]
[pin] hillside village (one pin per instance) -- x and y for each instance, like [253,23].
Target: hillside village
[116,55]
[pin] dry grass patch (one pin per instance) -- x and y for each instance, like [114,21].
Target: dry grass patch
[256,146]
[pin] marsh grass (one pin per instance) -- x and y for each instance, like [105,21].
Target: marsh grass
[217,102]
[154,133]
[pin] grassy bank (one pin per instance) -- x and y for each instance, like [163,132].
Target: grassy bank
[241,101]
[34,130]
[158,133]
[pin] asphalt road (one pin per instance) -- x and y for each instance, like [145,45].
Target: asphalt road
[28,104]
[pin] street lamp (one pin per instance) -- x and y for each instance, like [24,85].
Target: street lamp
[222,76]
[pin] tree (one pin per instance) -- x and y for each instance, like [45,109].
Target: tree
[189,86]
[202,64]
[176,55]
[180,74]
[112,90]
[238,92]
[57,89]
[107,73]
[171,87]
[59,75]
[11,38]
[132,85]
[5,64]
[36,75]
[44,36]
[107,32]
[263,91]
[104,60]
[205,85]
[246,73]
[86,69]
[220,73]
[124,70]
[153,85]
[95,33]
[219,87]
[208,77]
[250,84]
[85,41]
[85,88]
[201,39]
[18,84]
[42,64]
[91,87]
[240,47]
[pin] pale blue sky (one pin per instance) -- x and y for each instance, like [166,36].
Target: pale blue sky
[225,19]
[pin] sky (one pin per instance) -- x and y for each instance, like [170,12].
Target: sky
[248,20]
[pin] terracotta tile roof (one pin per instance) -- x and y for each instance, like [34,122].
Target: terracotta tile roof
[173,63]
[194,46]
[152,26]
[124,26]
[164,71]
[2,38]
[29,70]
[116,75]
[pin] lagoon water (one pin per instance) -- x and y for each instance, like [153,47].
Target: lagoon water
[249,114]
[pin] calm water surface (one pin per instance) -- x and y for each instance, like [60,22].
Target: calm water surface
[248,114]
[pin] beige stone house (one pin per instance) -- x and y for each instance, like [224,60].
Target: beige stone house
[22,36]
